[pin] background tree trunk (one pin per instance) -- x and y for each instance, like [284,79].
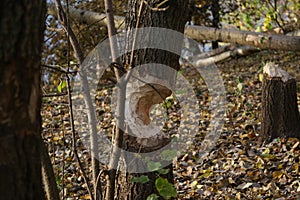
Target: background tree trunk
[173,17]
[215,9]
[280,114]
[21,36]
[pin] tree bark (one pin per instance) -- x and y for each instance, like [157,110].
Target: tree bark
[215,9]
[173,17]
[21,37]
[199,33]
[280,114]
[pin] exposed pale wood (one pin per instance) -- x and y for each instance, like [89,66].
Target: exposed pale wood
[273,71]
[260,40]
[88,17]
[139,16]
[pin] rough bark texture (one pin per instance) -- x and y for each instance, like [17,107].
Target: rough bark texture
[173,17]
[21,36]
[215,9]
[280,114]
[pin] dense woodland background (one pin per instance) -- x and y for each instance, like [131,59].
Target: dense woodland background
[243,164]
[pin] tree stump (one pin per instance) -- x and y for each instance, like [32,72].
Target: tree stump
[280,114]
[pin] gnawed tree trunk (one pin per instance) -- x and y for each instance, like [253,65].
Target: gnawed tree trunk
[21,37]
[143,96]
[280,114]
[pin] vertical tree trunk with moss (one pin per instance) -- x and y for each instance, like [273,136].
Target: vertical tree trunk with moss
[280,114]
[21,37]
[170,14]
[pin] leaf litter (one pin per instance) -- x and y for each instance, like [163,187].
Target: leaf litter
[236,168]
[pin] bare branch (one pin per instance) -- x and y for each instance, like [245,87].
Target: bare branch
[73,39]
[48,174]
[88,101]
[158,7]
[118,136]
[74,137]
[55,94]
[59,69]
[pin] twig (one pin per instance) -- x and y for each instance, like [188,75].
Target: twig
[158,7]
[59,69]
[72,37]
[87,97]
[99,186]
[79,55]
[55,94]
[54,29]
[74,137]
[63,167]
[112,38]
[135,35]
[277,15]
[48,174]
[118,136]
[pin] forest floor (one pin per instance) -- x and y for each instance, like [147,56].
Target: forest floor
[236,168]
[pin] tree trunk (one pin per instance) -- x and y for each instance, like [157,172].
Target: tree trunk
[215,9]
[280,114]
[21,36]
[172,16]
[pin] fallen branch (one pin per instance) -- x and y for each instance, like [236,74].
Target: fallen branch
[260,40]
[217,55]
[88,17]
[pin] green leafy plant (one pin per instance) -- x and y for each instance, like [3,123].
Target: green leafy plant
[61,86]
[168,102]
[152,197]
[153,166]
[163,171]
[165,188]
[141,179]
